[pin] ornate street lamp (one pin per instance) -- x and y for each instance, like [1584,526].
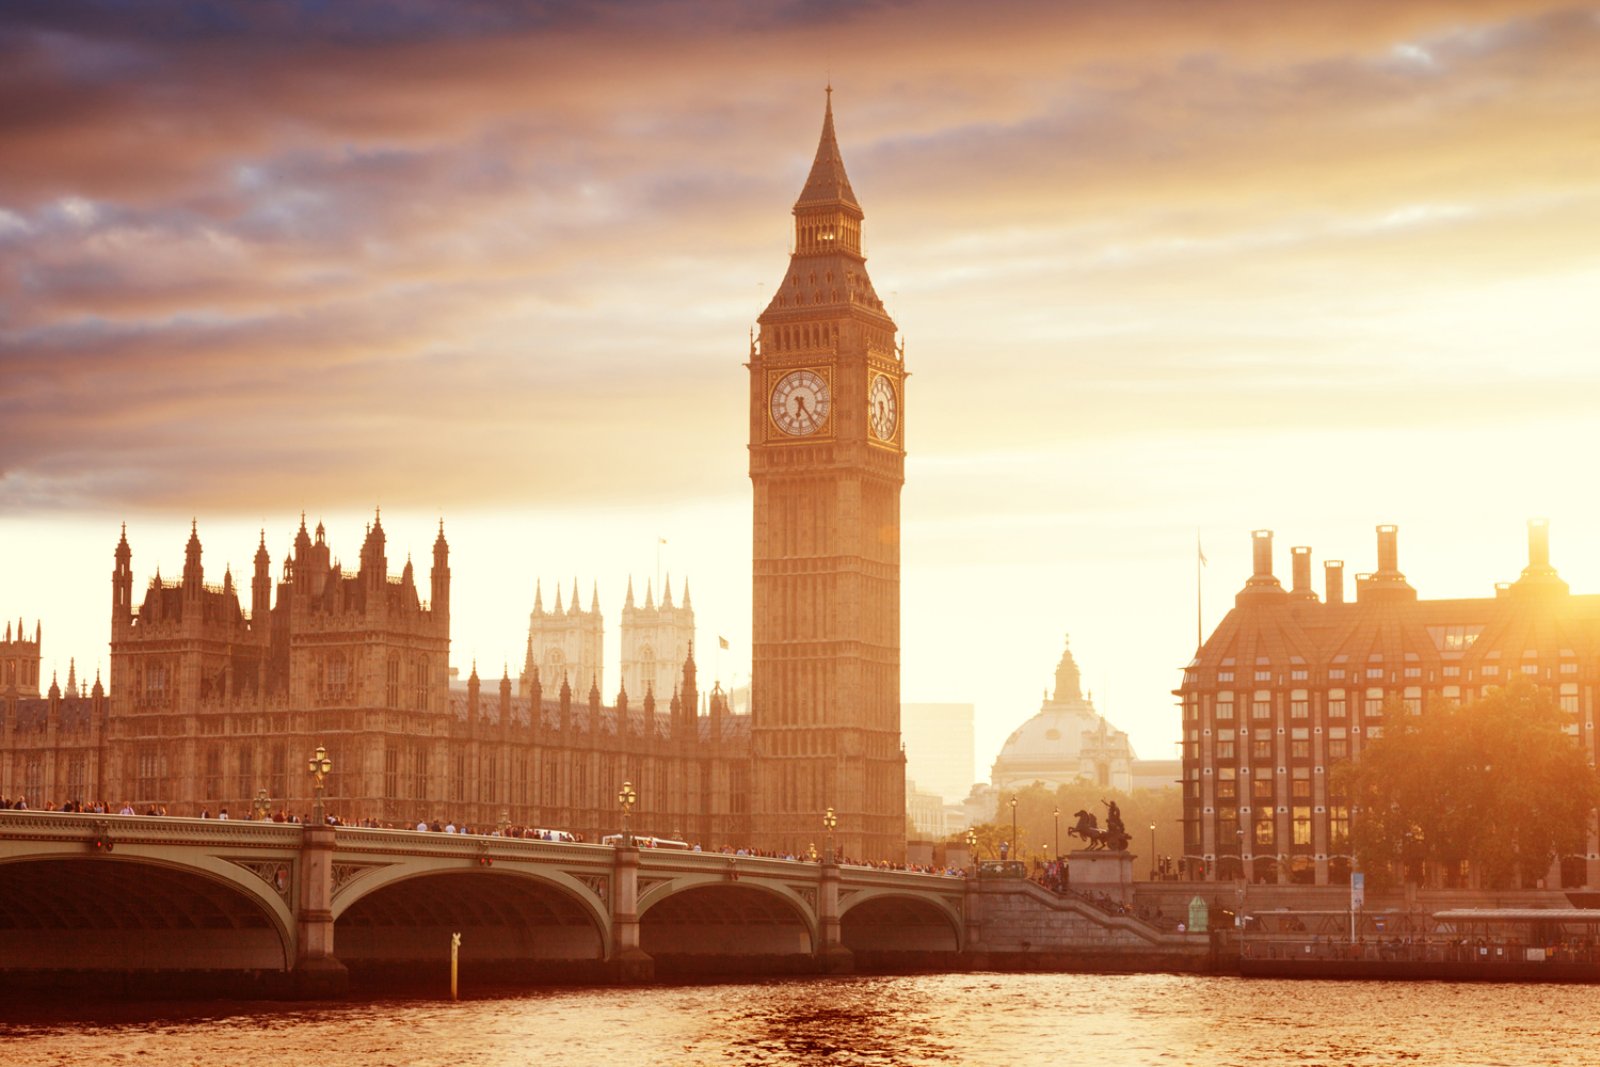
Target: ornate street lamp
[811,852]
[627,797]
[1152,852]
[319,766]
[261,806]
[1014,847]
[829,821]
[1057,816]
[972,846]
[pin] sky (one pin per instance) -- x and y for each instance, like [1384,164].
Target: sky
[1165,272]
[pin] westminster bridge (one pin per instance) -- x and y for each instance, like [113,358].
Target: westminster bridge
[287,909]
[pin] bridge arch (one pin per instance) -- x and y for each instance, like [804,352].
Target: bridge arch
[713,915]
[67,910]
[892,920]
[504,914]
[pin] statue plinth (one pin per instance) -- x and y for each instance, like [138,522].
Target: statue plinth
[1100,871]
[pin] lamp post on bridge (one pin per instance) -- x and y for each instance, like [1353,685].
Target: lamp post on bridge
[972,847]
[261,806]
[829,821]
[319,766]
[627,796]
[1153,852]
[1057,816]
[1014,843]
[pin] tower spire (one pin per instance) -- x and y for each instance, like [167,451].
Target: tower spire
[827,183]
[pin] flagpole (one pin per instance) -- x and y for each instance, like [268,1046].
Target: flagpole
[1199,610]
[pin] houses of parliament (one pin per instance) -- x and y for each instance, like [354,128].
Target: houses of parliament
[217,693]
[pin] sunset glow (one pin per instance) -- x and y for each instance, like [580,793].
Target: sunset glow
[1162,270]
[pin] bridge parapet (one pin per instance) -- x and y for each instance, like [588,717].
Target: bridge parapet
[145,829]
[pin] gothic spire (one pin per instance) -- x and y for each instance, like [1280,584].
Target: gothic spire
[827,182]
[628,603]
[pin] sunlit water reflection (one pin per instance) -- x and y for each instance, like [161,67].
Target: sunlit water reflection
[930,1019]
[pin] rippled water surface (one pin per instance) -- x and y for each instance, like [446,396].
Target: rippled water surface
[927,1019]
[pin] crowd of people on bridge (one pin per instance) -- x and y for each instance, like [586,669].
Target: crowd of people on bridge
[267,813]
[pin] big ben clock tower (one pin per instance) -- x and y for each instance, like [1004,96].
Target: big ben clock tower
[827,459]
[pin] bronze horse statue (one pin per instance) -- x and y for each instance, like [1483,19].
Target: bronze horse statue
[1088,828]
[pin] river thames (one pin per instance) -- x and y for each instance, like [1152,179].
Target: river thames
[924,1019]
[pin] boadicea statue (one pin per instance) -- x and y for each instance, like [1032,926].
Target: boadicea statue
[1114,838]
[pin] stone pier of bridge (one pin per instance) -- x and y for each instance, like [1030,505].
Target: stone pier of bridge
[259,908]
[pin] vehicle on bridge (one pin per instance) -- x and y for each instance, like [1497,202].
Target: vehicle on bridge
[646,841]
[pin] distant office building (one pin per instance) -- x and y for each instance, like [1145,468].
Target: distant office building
[1289,686]
[938,740]
[1067,741]
[932,818]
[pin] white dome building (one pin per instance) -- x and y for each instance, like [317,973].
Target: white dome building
[1066,742]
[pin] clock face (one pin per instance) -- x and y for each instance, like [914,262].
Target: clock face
[800,403]
[883,408]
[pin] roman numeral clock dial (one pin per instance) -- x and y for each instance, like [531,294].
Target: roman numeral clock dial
[883,408]
[800,403]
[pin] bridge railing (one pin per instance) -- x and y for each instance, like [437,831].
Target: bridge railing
[60,825]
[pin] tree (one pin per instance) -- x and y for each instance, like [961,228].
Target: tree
[1496,783]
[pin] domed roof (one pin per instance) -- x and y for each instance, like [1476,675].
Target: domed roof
[1063,740]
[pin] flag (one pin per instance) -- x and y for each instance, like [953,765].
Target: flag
[722,643]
